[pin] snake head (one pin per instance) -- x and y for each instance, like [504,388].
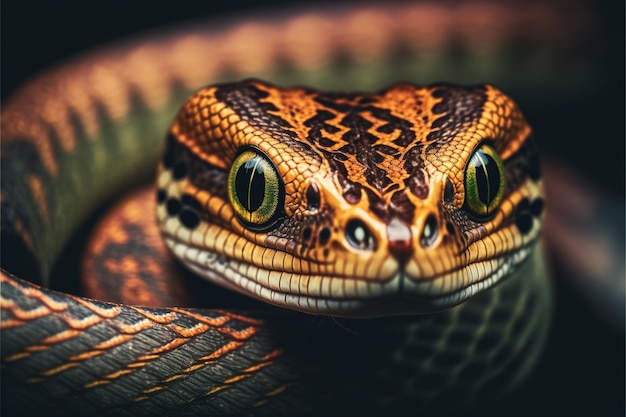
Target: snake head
[409,200]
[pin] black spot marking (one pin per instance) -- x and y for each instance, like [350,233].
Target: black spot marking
[523,216]
[161,196]
[324,235]
[173,206]
[525,213]
[189,218]
[306,233]
[326,253]
[524,222]
[180,171]
[523,205]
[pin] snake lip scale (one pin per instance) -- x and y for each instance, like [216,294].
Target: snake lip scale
[371,300]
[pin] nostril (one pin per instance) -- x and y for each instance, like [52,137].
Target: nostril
[359,236]
[430,231]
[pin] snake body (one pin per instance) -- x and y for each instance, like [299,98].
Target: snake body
[395,162]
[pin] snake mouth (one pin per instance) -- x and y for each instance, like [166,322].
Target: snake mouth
[348,296]
[307,293]
[453,288]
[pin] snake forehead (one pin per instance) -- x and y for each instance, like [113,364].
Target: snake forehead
[407,200]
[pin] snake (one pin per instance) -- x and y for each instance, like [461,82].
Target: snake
[409,214]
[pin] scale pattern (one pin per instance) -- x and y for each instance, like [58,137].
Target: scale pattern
[384,170]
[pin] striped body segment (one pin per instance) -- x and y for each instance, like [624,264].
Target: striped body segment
[121,362]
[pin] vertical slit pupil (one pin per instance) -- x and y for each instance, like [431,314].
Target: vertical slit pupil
[487,178]
[250,184]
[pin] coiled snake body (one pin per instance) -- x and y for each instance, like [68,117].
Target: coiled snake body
[419,203]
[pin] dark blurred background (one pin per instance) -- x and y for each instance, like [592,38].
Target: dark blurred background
[582,371]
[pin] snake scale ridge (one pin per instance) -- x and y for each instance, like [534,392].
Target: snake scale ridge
[409,200]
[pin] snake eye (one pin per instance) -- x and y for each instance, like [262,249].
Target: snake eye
[484,182]
[255,190]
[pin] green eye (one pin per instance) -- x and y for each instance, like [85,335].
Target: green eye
[255,190]
[484,182]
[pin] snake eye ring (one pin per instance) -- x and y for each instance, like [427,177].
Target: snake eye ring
[256,190]
[484,182]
